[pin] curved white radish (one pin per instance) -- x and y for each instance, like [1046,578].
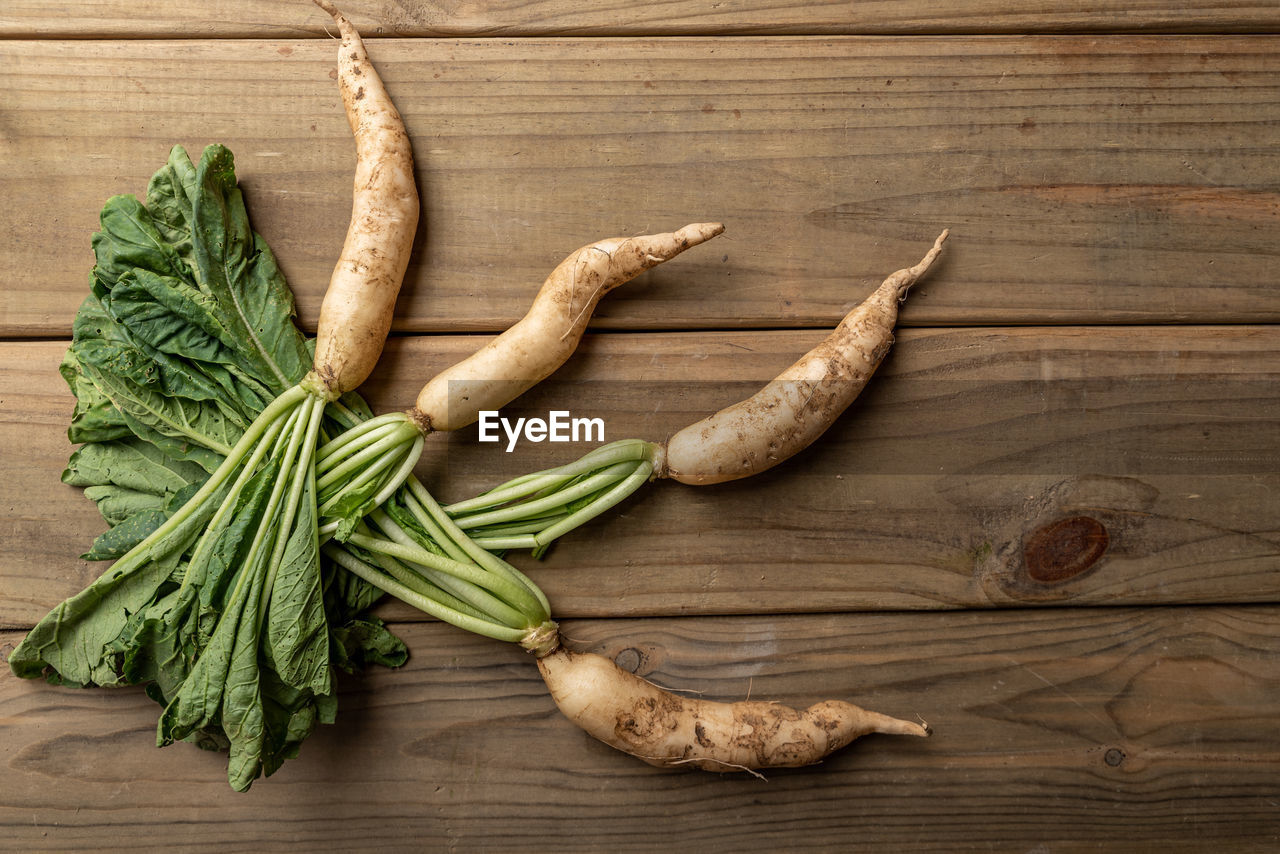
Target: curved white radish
[540,342]
[355,316]
[667,729]
[743,439]
[798,406]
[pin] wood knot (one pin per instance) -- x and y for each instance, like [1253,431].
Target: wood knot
[629,659]
[1064,549]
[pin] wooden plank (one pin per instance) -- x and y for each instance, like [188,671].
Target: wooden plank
[1067,729]
[292,18]
[959,461]
[1086,180]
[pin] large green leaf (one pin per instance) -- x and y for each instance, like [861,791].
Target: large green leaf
[133,464]
[297,633]
[234,266]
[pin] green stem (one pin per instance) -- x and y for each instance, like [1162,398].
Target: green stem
[526,526]
[375,471]
[271,529]
[411,597]
[154,546]
[613,497]
[303,477]
[485,558]
[514,594]
[414,580]
[560,498]
[346,443]
[507,542]
[606,455]
[223,515]
[375,450]
[474,595]
[398,478]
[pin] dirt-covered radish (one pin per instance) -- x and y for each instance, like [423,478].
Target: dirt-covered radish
[668,729]
[617,707]
[361,468]
[355,316]
[541,341]
[799,405]
[746,438]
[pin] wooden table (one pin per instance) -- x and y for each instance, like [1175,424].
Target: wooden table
[1049,528]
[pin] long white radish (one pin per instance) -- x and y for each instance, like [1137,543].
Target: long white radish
[669,730]
[540,342]
[355,316]
[789,413]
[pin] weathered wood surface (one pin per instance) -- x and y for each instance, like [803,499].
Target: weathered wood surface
[936,554]
[292,18]
[927,494]
[1086,180]
[1055,730]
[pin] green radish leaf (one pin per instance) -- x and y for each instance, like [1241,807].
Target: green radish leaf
[120,539]
[131,464]
[222,686]
[346,595]
[118,503]
[165,319]
[183,429]
[170,199]
[360,642]
[153,648]
[297,633]
[128,241]
[187,335]
[95,418]
[68,646]
[352,507]
[235,267]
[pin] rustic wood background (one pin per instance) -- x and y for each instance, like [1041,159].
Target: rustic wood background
[1097,352]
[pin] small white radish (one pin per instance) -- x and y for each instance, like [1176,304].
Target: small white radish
[801,403]
[355,316]
[540,342]
[666,729]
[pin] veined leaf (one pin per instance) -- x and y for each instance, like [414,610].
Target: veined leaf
[132,464]
[129,240]
[235,267]
[297,632]
[197,431]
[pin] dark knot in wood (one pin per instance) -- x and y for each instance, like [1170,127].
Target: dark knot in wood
[1064,549]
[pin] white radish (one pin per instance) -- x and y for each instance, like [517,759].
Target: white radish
[355,316]
[540,342]
[378,456]
[789,413]
[670,730]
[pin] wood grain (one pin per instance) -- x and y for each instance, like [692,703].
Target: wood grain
[1086,180]
[292,18]
[1067,729]
[932,492]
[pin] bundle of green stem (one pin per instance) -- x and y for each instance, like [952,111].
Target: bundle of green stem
[532,511]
